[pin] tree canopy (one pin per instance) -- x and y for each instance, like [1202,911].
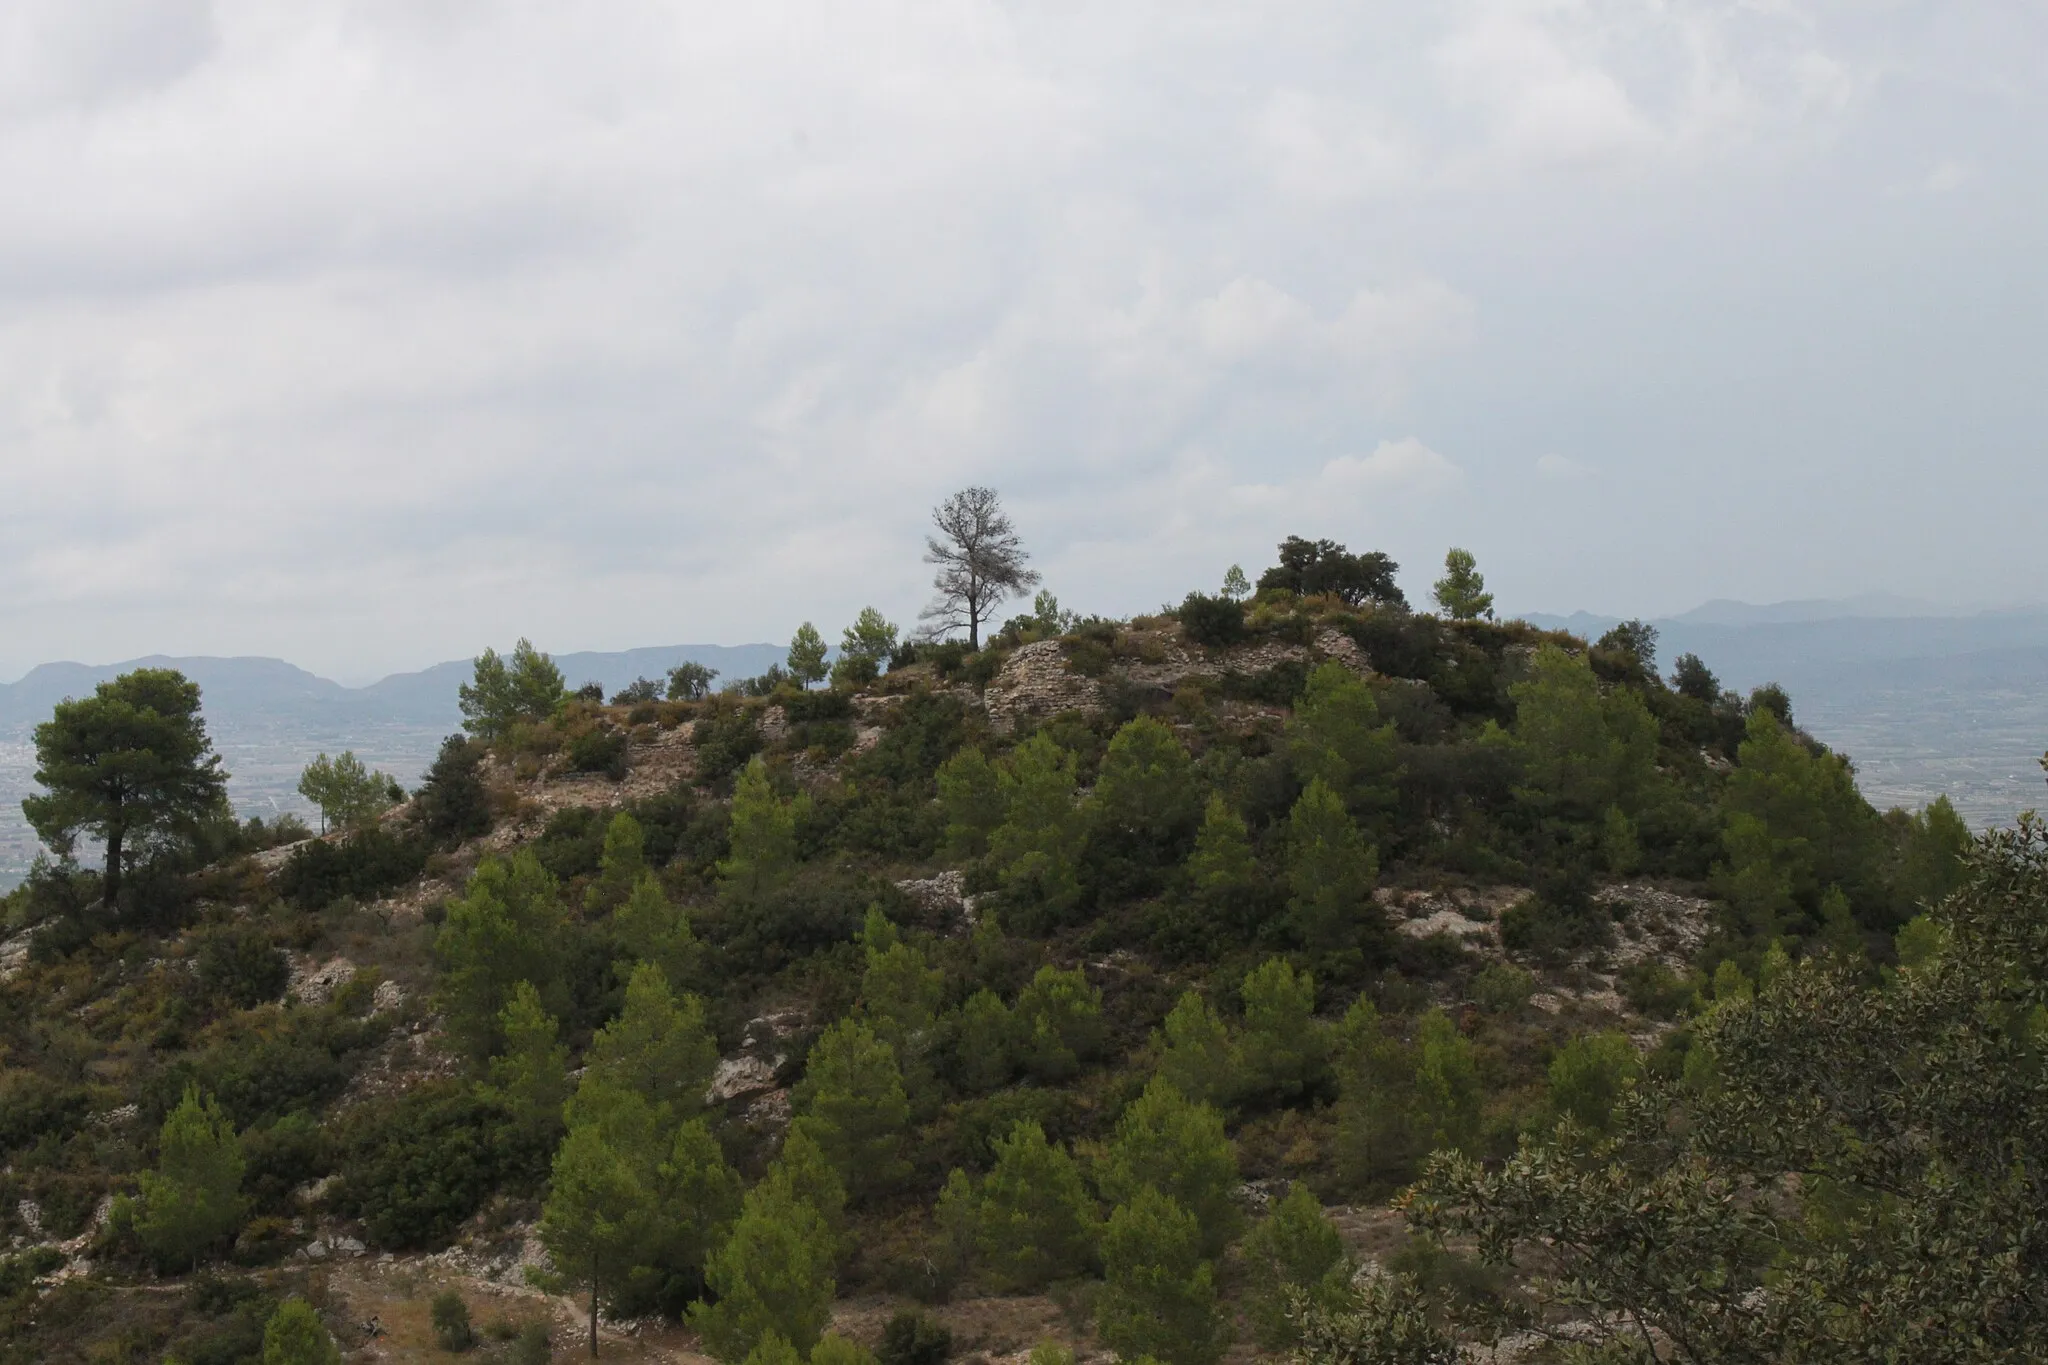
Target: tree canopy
[980,559]
[131,766]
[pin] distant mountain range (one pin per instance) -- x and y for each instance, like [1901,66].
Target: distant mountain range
[258,692]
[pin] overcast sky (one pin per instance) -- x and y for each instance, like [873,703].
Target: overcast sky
[367,334]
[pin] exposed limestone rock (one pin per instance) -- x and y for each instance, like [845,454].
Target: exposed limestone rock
[1035,681]
[1656,923]
[14,953]
[742,1075]
[315,983]
[1344,649]
[944,895]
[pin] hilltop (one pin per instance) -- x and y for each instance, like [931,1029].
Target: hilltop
[1266,897]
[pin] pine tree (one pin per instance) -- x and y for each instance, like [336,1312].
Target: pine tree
[1447,1090]
[1036,1222]
[900,993]
[1222,866]
[1282,1047]
[1335,736]
[1461,593]
[983,1045]
[852,1091]
[620,866]
[1057,1023]
[192,1202]
[772,1274]
[803,1171]
[507,928]
[1159,1295]
[971,794]
[1197,1056]
[1166,1143]
[1588,1077]
[1294,1249]
[1330,869]
[1146,788]
[530,1078]
[650,928]
[658,1051]
[296,1336]
[1581,751]
[771,1349]
[601,1219]
[807,655]
[1038,846]
[1376,1141]
[762,849]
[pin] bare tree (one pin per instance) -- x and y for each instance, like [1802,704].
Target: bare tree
[981,562]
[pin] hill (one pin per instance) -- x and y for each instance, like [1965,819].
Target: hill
[269,717]
[1093,988]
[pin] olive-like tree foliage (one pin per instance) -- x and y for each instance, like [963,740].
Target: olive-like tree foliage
[131,766]
[1312,567]
[1851,1170]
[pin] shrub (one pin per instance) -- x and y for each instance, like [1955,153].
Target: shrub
[239,964]
[419,1164]
[599,749]
[1215,621]
[532,1347]
[980,669]
[913,1338]
[1502,988]
[637,692]
[363,864]
[854,671]
[725,740]
[947,657]
[1552,931]
[451,804]
[572,843]
[33,1106]
[451,1317]
[1655,990]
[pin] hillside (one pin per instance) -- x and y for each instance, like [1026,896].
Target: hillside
[268,717]
[965,960]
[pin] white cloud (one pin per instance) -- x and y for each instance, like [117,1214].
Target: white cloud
[367,331]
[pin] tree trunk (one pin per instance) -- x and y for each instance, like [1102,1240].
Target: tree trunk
[110,885]
[593,1312]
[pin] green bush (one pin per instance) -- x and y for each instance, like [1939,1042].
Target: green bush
[913,1338]
[980,669]
[599,749]
[1550,931]
[1214,621]
[32,1107]
[363,864]
[450,1314]
[419,1164]
[725,740]
[1502,988]
[239,964]
[451,804]
[1653,989]
[807,707]
[572,843]
[531,1346]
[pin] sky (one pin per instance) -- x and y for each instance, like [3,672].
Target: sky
[369,334]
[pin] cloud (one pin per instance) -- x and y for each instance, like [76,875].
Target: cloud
[1563,468]
[368,332]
